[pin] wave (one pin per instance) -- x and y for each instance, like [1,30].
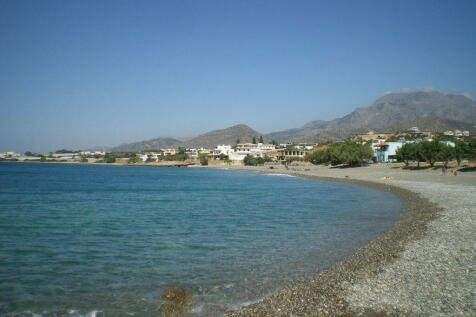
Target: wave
[279,174]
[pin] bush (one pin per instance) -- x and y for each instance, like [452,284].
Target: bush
[175,157]
[135,159]
[203,157]
[349,153]
[223,157]
[254,161]
[110,158]
[317,157]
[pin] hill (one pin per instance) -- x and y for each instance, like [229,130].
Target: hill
[402,110]
[153,144]
[224,136]
[207,140]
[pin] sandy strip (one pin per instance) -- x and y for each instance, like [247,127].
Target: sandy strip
[425,265]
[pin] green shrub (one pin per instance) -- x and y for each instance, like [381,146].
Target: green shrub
[254,161]
[203,157]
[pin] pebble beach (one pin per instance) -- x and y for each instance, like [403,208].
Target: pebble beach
[424,266]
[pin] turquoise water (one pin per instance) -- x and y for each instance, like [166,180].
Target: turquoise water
[86,240]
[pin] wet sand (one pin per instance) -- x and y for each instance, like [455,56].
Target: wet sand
[424,265]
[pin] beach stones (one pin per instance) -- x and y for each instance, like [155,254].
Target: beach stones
[177,301]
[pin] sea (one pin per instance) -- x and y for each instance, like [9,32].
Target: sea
[104,240]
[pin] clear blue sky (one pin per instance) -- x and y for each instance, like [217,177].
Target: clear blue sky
[75,74]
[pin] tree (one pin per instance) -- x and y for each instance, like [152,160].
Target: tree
[472,149]
[180,156]
[261,139]
[273,142]
[203,157]
[461,151]
[350,153]
[253,161]
[110,158]
[445,154]
[29,153]
[135,159]
[254,140]
[408,152]
[317,157]
[222,157]
[430,150]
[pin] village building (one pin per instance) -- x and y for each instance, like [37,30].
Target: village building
[222,150]
[456,133]
[194,153]
[169,151]
[385,152]
[291,152]
[255,150]
[448,143]
[6,155]
[65,156]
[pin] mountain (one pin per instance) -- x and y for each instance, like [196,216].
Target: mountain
[207,140]
[428,110]
[153,144]
[392,111]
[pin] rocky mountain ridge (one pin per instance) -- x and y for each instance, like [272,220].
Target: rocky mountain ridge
[429,110]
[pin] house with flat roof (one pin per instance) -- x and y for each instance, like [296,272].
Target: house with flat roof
[256,150]
[385,152]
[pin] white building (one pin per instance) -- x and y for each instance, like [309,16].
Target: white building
[9,154]
[387,151]
[256,150]
[65,156]
[169,151]
[152,156]
[92,153]
[465,133]
[223,149]
[142,157]
[448,143]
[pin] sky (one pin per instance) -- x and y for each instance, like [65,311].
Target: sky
[77,74]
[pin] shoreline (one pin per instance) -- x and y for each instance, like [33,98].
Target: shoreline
[327,293]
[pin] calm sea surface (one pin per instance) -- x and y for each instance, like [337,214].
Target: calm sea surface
[84,240]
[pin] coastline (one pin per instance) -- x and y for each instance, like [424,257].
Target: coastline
[359,285]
